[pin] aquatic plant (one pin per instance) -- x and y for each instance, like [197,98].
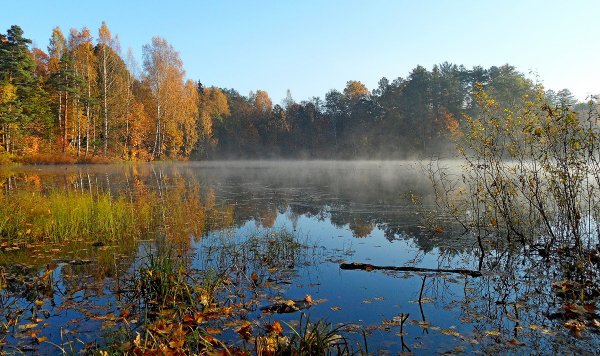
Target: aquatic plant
[531,171]
[317,338]
[71,215]
[528,183]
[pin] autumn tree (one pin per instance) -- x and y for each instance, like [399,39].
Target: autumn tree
[173,103]
[107,55]
[355,91]
[212,107]
[84,62]
[57,48]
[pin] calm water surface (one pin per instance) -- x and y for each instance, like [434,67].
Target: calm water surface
[382,213]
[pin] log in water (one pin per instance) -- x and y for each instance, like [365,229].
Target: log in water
[370,267]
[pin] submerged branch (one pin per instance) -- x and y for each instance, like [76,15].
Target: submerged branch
[370,267]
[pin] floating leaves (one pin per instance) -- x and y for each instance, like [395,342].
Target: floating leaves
[492,333]
[575,326]
[245,331]
[275,328]
[452,332]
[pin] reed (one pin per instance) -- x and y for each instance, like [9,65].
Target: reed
[69,215]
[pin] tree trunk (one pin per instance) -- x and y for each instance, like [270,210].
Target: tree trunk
[94,131]
[6,137]
[105,95]
[87,114]
[127,115]
[59,110]
[78,127]
[157,136]
[65,121]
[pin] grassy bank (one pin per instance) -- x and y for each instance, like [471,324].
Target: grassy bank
[67,215]
[7,159]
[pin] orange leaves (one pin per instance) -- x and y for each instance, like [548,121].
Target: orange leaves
[273,342]
[213,331]
[575,326]
[104,35]
[177,338]
[196,318]
[578,317]
[254,278]
[171,102]
[452,125]
[574,310]
[276,328]
[355,90]
[160,327]
[245,331]
[262,101]
[125,314]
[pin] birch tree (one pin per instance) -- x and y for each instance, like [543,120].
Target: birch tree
[171,107]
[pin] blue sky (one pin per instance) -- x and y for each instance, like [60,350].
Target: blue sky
[313,46]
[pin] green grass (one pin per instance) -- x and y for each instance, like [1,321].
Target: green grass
[68,215]
[320,338]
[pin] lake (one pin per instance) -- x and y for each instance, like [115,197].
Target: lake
[276,231]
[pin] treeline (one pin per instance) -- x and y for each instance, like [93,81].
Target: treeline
[417,115]
[83,98]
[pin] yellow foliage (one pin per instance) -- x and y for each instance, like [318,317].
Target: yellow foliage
[8,93]
[355,90]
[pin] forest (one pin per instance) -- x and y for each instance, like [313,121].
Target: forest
[451,210]
[83,100]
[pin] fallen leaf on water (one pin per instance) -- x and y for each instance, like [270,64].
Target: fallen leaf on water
[575,308]
[423,324]
[27,326]
[514,342]
[245,331]
[575,326]
[177,343]
[492,333]
[214,331]
[275,328]
[335,308]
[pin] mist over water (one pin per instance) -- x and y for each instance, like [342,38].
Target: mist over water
[377,212]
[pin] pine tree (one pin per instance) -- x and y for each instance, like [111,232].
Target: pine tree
[23,98]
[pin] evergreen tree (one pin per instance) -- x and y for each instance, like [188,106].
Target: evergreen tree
[24,102]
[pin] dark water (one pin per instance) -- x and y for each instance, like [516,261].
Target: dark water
[381,213]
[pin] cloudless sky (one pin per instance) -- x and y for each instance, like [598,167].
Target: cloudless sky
[313,46]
